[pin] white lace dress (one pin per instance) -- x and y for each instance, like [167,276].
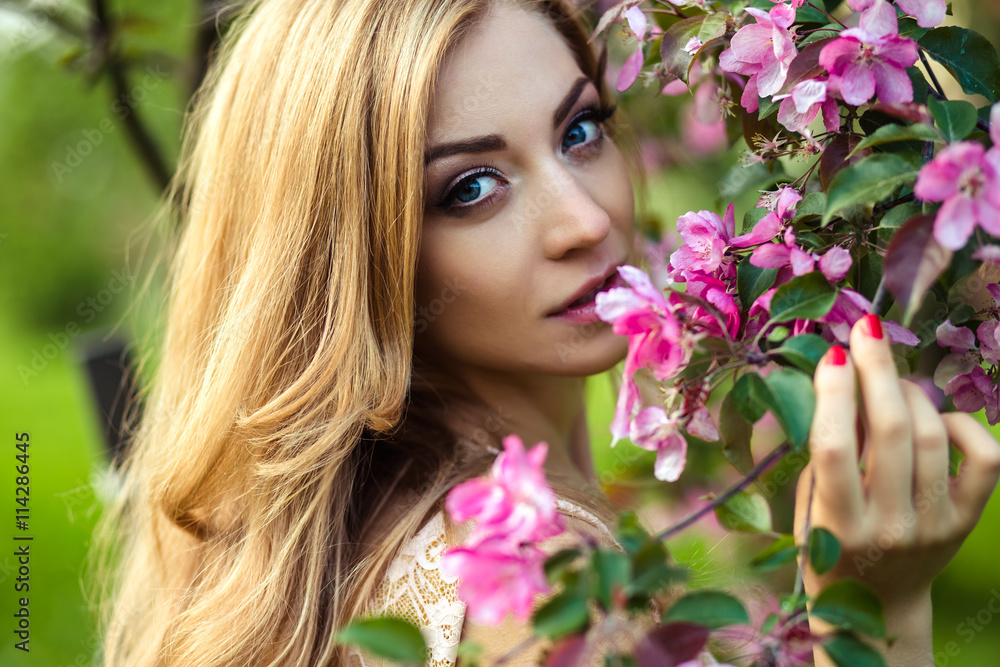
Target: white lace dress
[417,590]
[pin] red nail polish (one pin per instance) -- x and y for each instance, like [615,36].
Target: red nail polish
[836,356]
[873,326]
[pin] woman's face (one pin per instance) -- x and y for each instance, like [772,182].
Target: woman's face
[528,205]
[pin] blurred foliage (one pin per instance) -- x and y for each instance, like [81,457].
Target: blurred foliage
[70,226]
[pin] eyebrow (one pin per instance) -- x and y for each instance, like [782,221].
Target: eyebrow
[495,142]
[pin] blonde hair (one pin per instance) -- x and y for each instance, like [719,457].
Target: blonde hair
[287,406]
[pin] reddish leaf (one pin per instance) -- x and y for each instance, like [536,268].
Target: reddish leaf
[568,652]
[835,157]
[913,261]
[909,111]
[671,644]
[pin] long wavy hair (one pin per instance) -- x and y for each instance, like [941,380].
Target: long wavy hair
[287,418]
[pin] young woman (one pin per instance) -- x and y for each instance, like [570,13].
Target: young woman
[389,208]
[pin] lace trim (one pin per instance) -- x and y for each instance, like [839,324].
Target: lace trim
[416,589]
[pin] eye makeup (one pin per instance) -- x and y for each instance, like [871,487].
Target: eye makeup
[596,113]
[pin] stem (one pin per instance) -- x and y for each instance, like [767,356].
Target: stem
[799,580]
[751,476]
[828,14]
[511,654]
[673,10]
[137,131]
[930,72]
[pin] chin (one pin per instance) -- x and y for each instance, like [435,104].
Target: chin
[588,352]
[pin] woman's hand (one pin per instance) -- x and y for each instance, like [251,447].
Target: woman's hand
[901,519]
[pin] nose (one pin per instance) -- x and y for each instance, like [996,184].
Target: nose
[570,216]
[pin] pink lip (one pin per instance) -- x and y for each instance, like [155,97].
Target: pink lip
[587,312]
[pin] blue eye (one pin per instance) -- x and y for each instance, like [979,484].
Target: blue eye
[471,189]
[581,132]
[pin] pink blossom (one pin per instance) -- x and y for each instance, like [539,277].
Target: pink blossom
[514,501]
[642,313]
[877,16]
[494,580]
[782,209]
[763,51]
[973,391]
[636,22]
[849,308]
[966,177]
[928,13]
[865,64]
[963,354]
[988,253]
[800,107]
[834,264]
[706,237]
[654,430]
[715,292]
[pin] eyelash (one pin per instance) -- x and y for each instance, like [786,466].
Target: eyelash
[597,113]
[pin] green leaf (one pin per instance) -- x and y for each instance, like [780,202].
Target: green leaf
[824,550]
[908,28]
[614,571]
[847,650]
[849,604]
[807,297]
[562,615]
[736,433]
[890,133]
[766,107]
[955,118]
[781,552]
[897,215]
[869,181]
[651,573]
[386,637]
[804,351]
[558,563]
[792,400]
[742,179]
[749,393]
[813,204]
[712,609]
[913,262]
[752,281]
[968,56]
[745,512]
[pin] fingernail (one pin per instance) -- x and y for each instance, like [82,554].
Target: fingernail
[872,326]
[836,356]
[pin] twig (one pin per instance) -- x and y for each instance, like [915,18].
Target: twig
[799,581]
[511,654]
[146,146]
[828,14]
[930,72]
[751,476]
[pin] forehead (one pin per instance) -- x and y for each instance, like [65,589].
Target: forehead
[514,65]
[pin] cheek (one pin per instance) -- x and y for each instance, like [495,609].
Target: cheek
[466,289]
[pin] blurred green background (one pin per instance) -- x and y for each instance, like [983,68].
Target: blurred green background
[76,202]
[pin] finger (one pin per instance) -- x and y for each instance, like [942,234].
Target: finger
[833,441]
[889,472]
[930,446]
[980,469]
